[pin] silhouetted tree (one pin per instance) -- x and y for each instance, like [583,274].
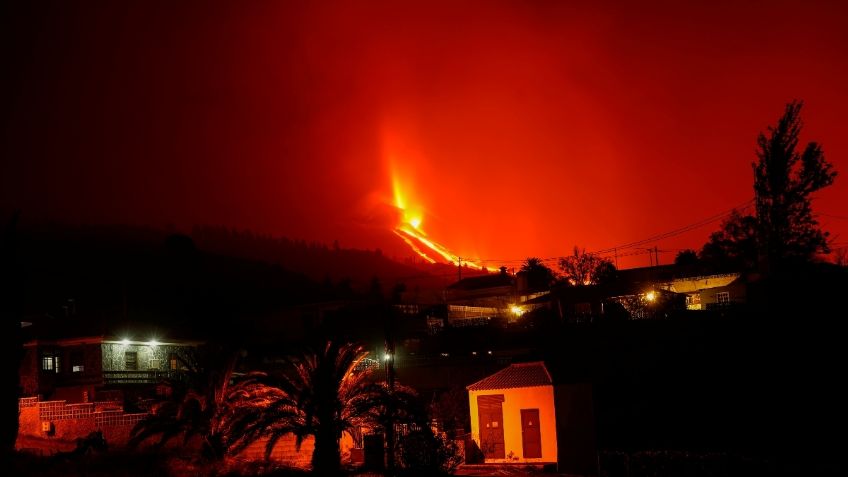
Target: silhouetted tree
[685,258]
[194,404]
[784,180]
[387,404]
[581,268]
[322,395]
[450,408]
[539,276]
[734,245]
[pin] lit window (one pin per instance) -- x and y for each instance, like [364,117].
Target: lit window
[47,362]
[693,302]
[78,368]
[50,361]
[723,297]
[172,362]
[154,364]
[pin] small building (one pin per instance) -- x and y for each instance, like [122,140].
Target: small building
[513,416]
[708,292]
[478,300]
[520,416]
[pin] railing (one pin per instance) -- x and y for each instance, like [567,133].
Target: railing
[141,377]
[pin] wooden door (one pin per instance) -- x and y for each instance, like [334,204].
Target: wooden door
[531,435]
[490,411]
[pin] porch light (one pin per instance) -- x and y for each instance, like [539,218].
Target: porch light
[153,342]
[125,341]
[516,310]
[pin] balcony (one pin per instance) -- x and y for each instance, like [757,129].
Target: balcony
[151,376]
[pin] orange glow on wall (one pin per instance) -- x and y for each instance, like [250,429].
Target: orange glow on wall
[515,400]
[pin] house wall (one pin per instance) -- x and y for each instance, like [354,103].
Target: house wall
[113,355]
[65,384]
[516,399]
[286,451]
[737,291]
[30,366]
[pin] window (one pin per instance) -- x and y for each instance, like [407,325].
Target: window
[47,362]
[723,297]
[173,362]
[50,361]
[130,360]
[77,361]
[693,302]
[154,363]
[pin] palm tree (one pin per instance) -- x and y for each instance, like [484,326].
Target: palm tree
[193,407]
[539,276]
[323,394]
[387,405]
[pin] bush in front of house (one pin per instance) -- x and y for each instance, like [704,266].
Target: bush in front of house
[424,453]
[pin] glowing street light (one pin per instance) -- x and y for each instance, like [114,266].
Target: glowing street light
[125,341]
[651,296]
[516,310]
[387,356]
[153,342]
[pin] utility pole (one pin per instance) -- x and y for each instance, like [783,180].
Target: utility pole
[615,252]
[389,359]
[459,267]
[656,255]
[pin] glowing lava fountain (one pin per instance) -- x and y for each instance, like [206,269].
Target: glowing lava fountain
[409,229]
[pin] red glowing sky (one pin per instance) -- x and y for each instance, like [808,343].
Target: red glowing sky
[518,128]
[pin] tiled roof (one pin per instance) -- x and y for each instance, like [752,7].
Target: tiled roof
[520,375]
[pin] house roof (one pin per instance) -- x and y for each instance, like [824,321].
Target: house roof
[518,375]
[86,328]
[483,282]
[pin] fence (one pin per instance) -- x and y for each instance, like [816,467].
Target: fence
[63,421]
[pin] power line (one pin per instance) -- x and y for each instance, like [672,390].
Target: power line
[632,245]
[677,231]
[833,216]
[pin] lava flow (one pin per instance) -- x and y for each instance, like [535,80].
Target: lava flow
[409,229]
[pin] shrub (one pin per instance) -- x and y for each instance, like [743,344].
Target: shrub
[424,453]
